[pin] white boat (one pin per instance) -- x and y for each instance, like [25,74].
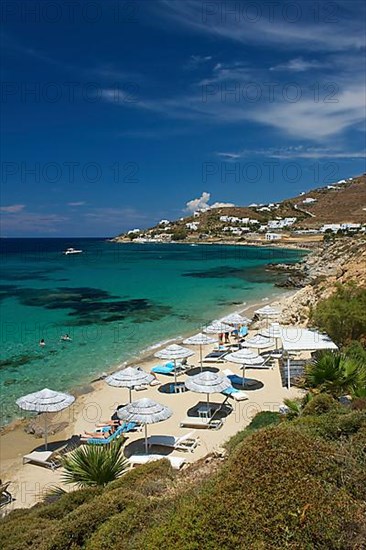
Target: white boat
[72,251]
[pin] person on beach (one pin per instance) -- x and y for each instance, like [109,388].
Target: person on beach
[42,343]
[97,435]
[227,338]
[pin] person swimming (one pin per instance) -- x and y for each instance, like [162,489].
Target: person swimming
[42,342]
[66,338]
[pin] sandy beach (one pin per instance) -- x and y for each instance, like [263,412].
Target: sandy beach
[99,401]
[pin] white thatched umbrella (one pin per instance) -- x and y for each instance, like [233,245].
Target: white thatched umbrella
[144,411]
[129,378]
[258,342]
[235,319]
[199,340]
[273,331]
[218,327]
[208,382]
[45,401]
[244,357]
[172,353]
[268,311]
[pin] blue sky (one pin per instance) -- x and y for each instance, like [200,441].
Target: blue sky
[116,114]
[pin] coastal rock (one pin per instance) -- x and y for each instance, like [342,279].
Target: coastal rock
[36,427]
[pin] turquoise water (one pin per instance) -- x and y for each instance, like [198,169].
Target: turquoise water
[114,300]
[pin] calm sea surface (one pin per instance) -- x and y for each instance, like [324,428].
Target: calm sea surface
[115,301]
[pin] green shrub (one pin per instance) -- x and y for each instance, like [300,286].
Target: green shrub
[280,489]
[261,420]
[343,315]
[320,404]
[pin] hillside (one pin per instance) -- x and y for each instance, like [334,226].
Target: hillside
[296,484]
[340,203]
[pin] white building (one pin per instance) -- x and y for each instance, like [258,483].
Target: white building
[273,236]
[350,226]
[133,231]
[164,222]
[192,226]
[309,200]
[330,227]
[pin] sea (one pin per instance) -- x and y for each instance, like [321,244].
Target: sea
[115,301]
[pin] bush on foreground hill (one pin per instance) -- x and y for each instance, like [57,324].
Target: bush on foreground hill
[289,485]
[343,315]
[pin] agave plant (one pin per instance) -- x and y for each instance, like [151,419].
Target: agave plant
[296,406]
[335,373]
[94,465]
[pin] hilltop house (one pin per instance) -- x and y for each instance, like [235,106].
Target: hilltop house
[273,236]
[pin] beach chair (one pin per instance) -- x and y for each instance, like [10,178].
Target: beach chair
[237,395]
[5,496]
[215,357]
[126,427]
[168,369]
[183,443]
[176,462]
[201,422]
[48,459]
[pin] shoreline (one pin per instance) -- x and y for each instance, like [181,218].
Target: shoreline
[99,401]
[144,356]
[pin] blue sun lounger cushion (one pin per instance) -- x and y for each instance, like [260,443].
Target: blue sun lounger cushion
[235,379]
[168,368]
[126,427]
[230,391]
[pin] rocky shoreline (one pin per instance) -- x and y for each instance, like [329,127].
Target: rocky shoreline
[340,261]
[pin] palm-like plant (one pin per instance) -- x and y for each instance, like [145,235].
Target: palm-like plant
[296,406]
[94,465]
[334,373]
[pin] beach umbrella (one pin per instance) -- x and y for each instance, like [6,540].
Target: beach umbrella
[218,327]
[207,382]
[273,331]
[144,411]
[258,342]
[129,378]
[235,319]
[172,353]
[45,401]
[199,340]
[244,357]
[268,311]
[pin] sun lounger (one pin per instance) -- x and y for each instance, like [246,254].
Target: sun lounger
[5,496]
[199,422]
[183,443]
[238,395]
[43,458]
[215,357]
[126,427]
[175,461]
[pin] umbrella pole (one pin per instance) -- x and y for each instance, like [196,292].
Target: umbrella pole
[45,431]
[244,376]
[146,448]
[201,357]
[208,404]
[175,375]
[130,391]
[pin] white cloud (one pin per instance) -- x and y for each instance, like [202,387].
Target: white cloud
[299,65]
[202,203]
[32,222]
[197,204]
[196,61]
[342,29]
[78,203]
[299,151]
[12,209]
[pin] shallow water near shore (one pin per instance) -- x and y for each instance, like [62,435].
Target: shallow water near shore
[115,301]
